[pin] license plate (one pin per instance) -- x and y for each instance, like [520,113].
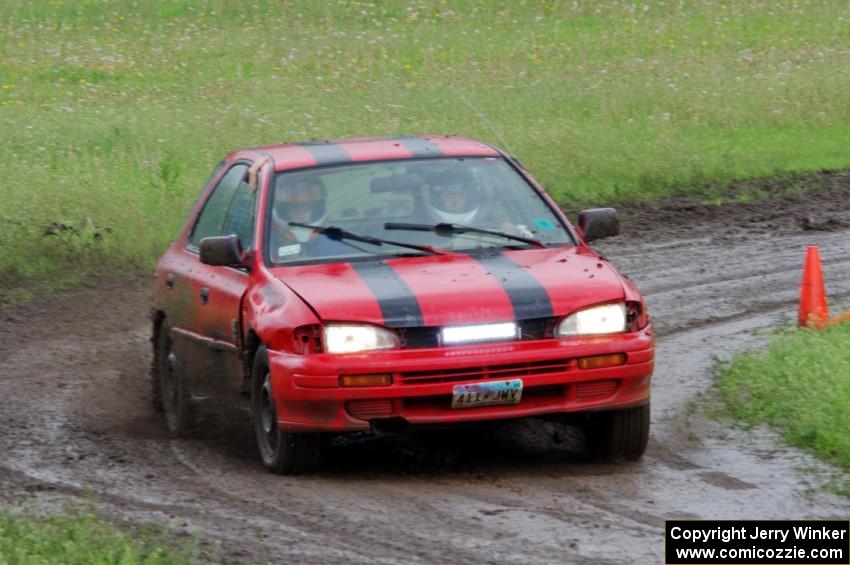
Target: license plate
[487,393]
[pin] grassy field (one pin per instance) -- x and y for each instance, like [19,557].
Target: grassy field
[799,384]
[84,540]
[113,113]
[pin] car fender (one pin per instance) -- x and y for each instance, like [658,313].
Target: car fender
[271,311]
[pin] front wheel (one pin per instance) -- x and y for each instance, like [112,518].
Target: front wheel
[618,434]
[282,452]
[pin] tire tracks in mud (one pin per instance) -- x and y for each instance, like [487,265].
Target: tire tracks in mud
[81,429]
[727,278]
[662,289]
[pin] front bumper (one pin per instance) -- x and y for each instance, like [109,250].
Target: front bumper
[309,398]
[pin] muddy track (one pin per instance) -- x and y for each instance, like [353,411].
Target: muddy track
[77,424]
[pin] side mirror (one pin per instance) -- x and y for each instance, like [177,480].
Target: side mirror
[597,223]
[222,251]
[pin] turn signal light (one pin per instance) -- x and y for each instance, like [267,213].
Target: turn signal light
[365,380]
[600,361]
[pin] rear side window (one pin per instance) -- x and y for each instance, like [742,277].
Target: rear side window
[229,209]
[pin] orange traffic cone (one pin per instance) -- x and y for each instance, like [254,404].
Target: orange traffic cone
[814,311]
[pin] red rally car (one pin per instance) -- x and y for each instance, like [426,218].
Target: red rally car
[375,283]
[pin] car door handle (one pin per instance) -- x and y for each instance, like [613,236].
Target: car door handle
[169,281]
[205,295]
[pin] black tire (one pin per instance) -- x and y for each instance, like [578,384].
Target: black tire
[170,392]
[284,453]
[618,434]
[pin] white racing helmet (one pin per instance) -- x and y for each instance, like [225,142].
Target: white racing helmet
[454,198]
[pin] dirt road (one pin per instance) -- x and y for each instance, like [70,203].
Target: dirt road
[77,425]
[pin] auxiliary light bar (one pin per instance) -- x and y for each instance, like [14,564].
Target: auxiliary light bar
[474,334]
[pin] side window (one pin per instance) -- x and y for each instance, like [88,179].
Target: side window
[211,222]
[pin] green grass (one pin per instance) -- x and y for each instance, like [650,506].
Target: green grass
[114,112]
[82,539]
[800,384]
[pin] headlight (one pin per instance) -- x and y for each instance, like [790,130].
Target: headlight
[607,319]
[349,339]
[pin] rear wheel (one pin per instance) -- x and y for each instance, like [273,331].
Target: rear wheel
[618,434]
[171,393]
[282,452]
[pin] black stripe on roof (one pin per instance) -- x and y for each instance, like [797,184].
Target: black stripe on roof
[528,297]
[420,147]
[326,153]
[399,305]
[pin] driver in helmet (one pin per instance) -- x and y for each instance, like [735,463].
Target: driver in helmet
[303,201]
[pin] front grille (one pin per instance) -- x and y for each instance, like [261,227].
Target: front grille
[370,408]
[595,390]
[415,338]
[429,336]
[490,372]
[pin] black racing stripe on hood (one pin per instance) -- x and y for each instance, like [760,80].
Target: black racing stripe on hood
[528,297]
[420,147]
[399,305]
[327,153]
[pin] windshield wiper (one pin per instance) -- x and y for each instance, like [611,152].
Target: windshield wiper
[338,234]
[445,229]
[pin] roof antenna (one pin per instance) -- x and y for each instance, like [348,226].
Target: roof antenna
[483,118]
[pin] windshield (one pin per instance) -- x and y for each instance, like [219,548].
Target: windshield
[485,193]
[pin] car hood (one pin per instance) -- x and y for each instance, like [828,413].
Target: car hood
[456,289]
